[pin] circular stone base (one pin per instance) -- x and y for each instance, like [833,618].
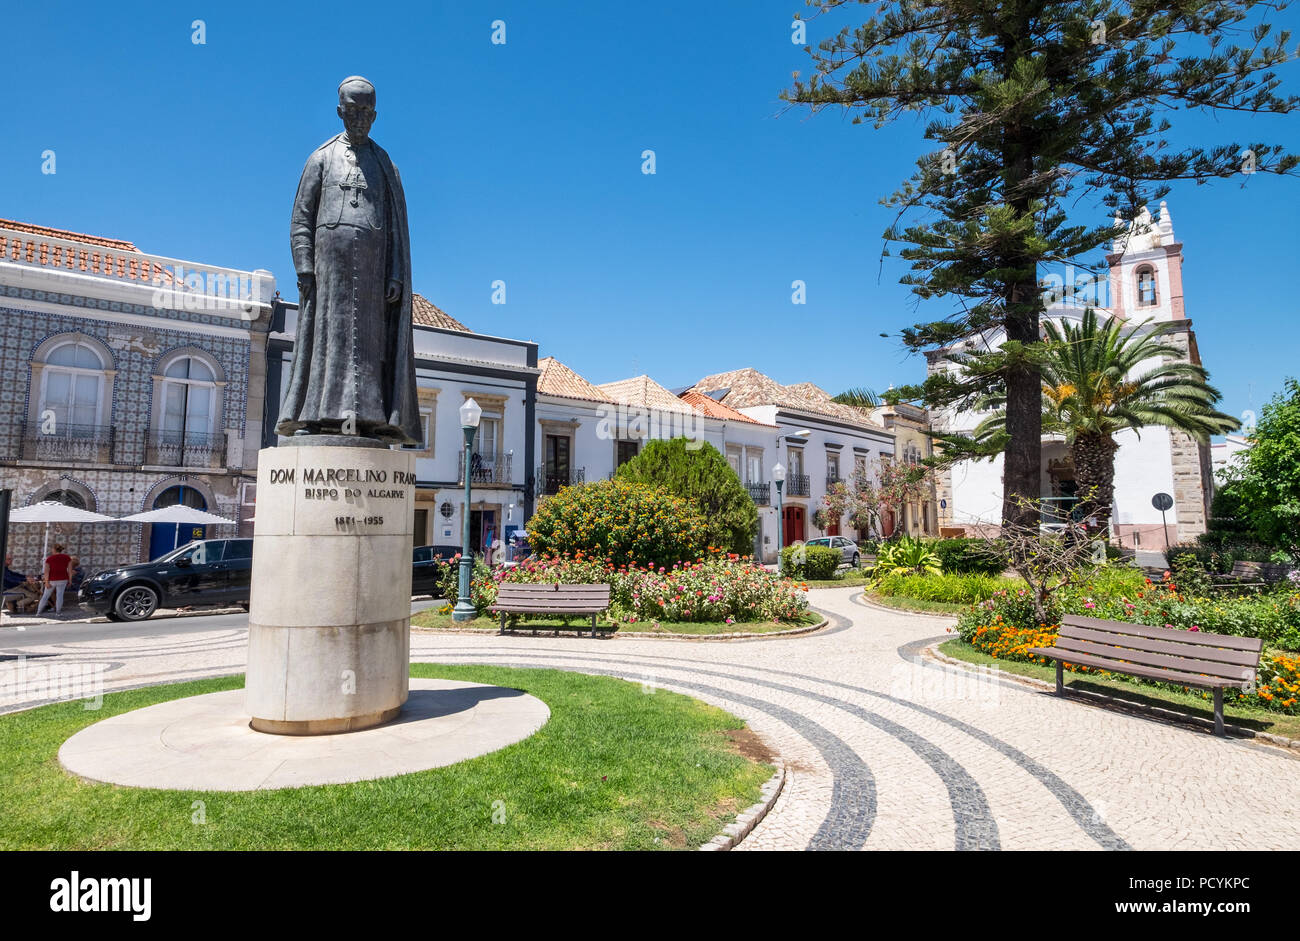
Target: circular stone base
[205,743]
[325,726]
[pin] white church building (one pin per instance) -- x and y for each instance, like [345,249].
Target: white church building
[1145,284]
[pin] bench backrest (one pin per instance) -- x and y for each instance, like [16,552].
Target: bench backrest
[1218,655]
[1267,571]
[552,597]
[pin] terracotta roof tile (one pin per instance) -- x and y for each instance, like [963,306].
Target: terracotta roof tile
[715,409]
[118,244]
[424,311]
[747,388]
[558,379]
[644,392]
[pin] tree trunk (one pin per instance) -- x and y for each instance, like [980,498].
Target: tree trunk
[1094,475]
[1023,458]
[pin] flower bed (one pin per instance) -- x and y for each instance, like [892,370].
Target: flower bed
[723,588]
[1004,627]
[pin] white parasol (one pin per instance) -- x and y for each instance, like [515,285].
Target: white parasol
[180,514]
[51,511]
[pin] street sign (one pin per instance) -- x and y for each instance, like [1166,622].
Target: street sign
[1162,502]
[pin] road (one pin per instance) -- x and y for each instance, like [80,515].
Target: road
[15,639]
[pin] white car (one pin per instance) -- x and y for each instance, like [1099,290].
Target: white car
[849,552]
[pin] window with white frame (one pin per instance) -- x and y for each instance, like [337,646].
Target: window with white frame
[426,431]
[754,465]
[190,400]
[73,386]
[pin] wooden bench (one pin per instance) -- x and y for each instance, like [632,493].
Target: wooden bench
[530,598]
[1253,575]
[1189,658]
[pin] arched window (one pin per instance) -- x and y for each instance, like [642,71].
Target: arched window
[67,498]
[73,381]
[1146,287]
[189,398]
[187,412]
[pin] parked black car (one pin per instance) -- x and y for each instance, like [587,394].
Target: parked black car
[427,565]
[210,571]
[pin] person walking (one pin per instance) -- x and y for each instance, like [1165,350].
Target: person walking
[56,579]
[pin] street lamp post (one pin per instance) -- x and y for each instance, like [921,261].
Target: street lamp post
[470,413]
[778,474]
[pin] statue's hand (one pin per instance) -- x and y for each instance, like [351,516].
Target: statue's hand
[306,287]
[394,292]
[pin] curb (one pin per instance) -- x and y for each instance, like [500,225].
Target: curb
[636,635]
[1044,686]
[100,619]
[745,822]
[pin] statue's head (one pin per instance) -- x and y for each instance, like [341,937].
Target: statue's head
[357,107]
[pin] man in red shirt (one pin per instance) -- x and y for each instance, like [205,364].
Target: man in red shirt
[56,579]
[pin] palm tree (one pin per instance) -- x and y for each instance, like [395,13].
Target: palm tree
[1094,385]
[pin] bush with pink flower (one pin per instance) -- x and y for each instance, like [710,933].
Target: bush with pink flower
[721,588]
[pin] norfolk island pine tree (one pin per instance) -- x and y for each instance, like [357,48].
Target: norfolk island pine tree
[1034,104]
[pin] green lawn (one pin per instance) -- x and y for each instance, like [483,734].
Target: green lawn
[430,618]
[844,578]
[903,603]
[1193,703]
[617,766]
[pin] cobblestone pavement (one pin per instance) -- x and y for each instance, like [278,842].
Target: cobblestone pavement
[885,750]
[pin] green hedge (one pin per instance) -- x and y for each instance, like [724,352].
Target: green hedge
[953,589]
[812,562]
[967,557]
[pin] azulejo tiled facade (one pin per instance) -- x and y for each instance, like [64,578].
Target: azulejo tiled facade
[116,405]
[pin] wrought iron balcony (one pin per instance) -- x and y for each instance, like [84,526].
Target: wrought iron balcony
[184,449]
[550,481]
[87,444]
[761,493]
[485,467]
[796,485]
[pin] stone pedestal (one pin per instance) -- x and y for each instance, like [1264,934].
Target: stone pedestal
[330,610]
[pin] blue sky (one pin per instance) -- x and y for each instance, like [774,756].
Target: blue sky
[522,162]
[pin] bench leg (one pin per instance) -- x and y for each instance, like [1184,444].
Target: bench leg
[503,623]
[593,625]
[1218,711]
[1060,678]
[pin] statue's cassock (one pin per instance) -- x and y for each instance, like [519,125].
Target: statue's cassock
[354,366]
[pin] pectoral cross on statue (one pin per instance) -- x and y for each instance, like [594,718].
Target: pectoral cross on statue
[355,182]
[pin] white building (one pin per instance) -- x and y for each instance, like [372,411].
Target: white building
[819,441]
[1145,283]
[1223,454]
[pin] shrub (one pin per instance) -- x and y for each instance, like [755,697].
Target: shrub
[1273,616]
[482,585]
[718,588]
[952,589]
[906,555]
[814,563]
[698,473]
[963,556]
[618,521]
